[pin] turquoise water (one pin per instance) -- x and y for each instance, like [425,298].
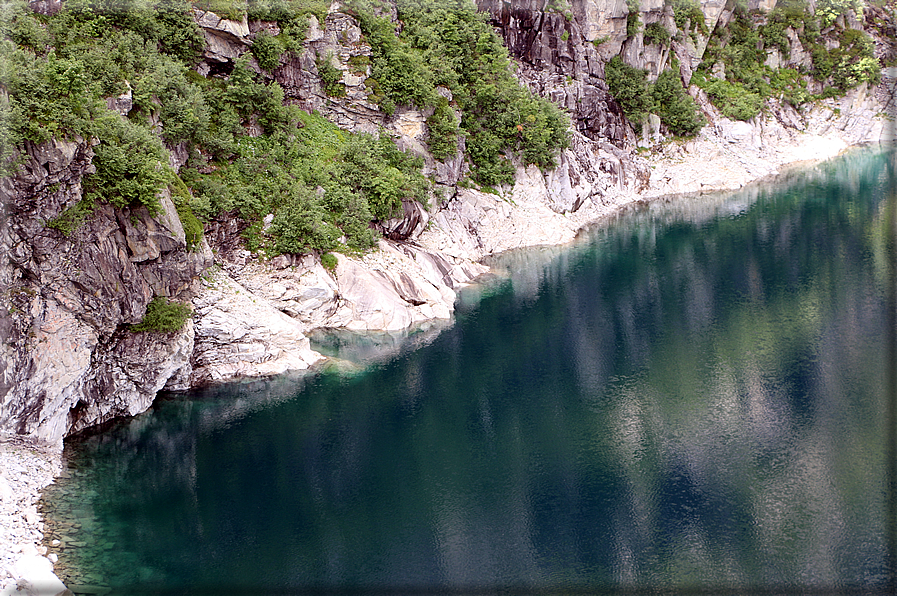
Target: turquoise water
[690,398]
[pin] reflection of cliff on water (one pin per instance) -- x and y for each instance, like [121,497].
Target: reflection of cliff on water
[356,350]
[742,410]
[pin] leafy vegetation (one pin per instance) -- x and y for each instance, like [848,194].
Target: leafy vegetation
[329,262]
[331,77]
[656,33]
[163,316]
[689,17]
[448,43]
[676,108]
[633,21]
[71,219]
[325,188]
[667,97]
[629,86]
[749,80]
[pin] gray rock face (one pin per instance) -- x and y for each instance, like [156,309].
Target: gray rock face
[66,358]
[560,62]
[226,40]
[239,334]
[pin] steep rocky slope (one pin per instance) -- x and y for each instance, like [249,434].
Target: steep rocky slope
[69,359]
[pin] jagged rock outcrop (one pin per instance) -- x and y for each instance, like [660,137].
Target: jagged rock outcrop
[239,334]
[67,360]
[559,60]
[226,40]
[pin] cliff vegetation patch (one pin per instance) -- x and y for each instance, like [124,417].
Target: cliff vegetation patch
[126,75]
[666,97]
[749,60]
[163,316]
[447,43]
[248,153]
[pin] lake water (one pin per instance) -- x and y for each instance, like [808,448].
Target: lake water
[690,398]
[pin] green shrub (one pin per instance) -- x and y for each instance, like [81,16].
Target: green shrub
[71,219]
[359,63]
[267,50]
[329,262]
[331,77]
[166,91]
[829,10]
[689,17]
[629,86]
[787,13]
[291,16]
[287,12]
[657,33]
[182,199]
[823,65]
[633,24]
[131,165]
[301,226]
[676,108]
[163,316]
[247,97]
[854,60]
[733,99]
[442,129]
[447,42]
[228,9]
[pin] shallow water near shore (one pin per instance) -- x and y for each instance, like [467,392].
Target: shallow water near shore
[692,397]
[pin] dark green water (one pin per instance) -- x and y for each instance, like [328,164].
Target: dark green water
[690,398]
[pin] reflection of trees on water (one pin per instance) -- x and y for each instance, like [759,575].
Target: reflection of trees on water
[774,418]
[683,400]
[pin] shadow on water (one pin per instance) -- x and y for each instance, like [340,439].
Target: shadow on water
[688,399]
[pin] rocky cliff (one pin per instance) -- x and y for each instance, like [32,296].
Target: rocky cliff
[69,359]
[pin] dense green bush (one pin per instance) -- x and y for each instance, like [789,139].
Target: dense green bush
[442,131]
[267,50]
[447,42]
[676,108]
[323,186]
[291,17]
[131,165]
[734,100]
[666,97]
[182,199]
[829,10]
[163,316]
[689,17]
[853,61]
[329,261]
[633,18]
[629,86]
[657,33]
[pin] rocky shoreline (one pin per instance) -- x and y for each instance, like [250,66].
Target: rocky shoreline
[26,566]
